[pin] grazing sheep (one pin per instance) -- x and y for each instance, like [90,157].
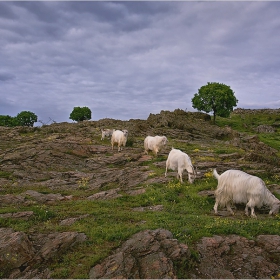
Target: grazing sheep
[154,143]
[106,133]
[178,160]
[119,137]
[239,187]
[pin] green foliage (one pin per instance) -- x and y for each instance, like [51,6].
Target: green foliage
[8,121]
[80,114]
[130,141]
[42,213]
[248,123]
[215,97]
[26,118]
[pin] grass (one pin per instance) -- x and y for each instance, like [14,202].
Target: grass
[271,140]
[112,222]
[188,215]
[247,123]
[185,213]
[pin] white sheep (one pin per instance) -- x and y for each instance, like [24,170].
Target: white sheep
[154,143]
[239,187]
[178,160]
[119,137]
[106,133]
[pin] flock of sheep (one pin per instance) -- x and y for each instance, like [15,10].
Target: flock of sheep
[234,186]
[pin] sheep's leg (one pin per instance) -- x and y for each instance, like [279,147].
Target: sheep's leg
[166,170]
[253,215]
[189,177]
[246,210]
[156,151]
[181,179]
[251,205]
[229,208]
[181,176]
[216,206]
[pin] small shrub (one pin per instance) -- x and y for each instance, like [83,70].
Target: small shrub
[42,213]
[130,142]
[83,183]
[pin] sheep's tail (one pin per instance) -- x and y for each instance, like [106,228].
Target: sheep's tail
[215,174]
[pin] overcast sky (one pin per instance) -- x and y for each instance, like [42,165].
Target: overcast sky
[125,60]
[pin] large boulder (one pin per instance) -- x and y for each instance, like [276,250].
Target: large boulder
[20,253]
[236,257]
[147,254]
[16,250]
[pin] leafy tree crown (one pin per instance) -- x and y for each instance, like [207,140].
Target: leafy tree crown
[80,114]
[215,97]
[6,120]
[26,118]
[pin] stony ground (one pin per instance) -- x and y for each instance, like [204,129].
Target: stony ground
[58,156]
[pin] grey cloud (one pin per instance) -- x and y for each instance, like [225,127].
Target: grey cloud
[148,8]
[43,11]
[6,77]
[6,11]
[128,59]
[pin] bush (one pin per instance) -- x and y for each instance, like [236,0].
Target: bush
[8,121]
[80,114]
[26,118]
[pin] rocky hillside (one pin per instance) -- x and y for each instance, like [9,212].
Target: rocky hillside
[67,165]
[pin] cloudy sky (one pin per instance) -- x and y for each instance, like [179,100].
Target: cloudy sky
[125,60]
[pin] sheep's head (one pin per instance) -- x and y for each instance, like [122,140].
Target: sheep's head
[275,208]
[125,132]
[193,175]
[164,140]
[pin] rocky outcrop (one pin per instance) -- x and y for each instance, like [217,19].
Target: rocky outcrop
[149,254]
[156,255]
[242,111]
[30,197]
[16,249]
[20,253]
[59,156]
[236,257]
[69,162]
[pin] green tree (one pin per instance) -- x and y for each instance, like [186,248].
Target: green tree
[215,97]
[26,118]
[8,121]
[80,114]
